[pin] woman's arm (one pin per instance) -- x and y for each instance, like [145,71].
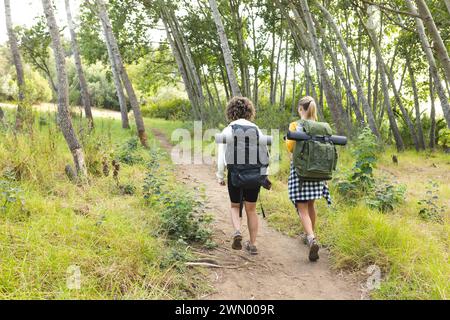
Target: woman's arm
[221,163]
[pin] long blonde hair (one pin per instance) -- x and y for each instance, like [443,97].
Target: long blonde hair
[309,105]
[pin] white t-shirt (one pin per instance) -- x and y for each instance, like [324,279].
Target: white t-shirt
[222,148]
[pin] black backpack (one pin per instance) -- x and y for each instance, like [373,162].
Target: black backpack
[247,160]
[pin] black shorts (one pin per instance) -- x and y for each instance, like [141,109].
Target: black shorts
[250,195]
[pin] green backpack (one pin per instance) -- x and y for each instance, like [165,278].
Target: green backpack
[315,159]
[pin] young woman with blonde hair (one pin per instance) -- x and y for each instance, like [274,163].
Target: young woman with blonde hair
[304,193]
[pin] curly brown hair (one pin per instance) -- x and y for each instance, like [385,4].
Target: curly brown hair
[240,108]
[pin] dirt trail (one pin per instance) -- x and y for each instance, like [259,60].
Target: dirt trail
[280,271]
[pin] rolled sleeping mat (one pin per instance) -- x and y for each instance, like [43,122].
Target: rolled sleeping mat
[263,139]
[302,136]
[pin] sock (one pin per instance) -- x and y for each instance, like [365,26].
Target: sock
[310,237]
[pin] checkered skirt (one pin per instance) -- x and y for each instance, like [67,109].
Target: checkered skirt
[306,190]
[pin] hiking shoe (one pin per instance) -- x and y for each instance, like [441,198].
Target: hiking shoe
[237,241]
[251,248]
[313,250]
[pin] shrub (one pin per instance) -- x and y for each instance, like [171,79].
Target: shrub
[360,182]
[170,109]
[181,216]
[429,209]
[127,152]
[385,196]
[271,117]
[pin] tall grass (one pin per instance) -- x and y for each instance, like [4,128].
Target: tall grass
[110,236]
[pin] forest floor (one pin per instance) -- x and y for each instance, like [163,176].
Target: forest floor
[280,271]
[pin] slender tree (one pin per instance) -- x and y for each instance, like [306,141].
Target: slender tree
[235,90]
[384,85]
[447,4]
[365,104]
[339,117]
[64,120]
[115,71]
[439,46]
[21,109]
[416,104]
[104,17]
[432,113]
[432,63]
[79,68]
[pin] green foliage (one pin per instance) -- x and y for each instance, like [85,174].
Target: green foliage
[429,208]
[361,183]
[127,152]
[385,196]
[181,214]
[444,138]
[170,109]
[100,85]
[271,117]
[11,197]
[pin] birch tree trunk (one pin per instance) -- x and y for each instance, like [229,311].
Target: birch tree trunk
[123,73]
[235,90]
[116,76]
[20,115]
[416,104]
[286,65]
[384,84]
[447,4]
[439,46]
[340,74]
[432,63]
[340,119]
[432,115]
[76,54]
[365,104]
[241,47]
[64,120]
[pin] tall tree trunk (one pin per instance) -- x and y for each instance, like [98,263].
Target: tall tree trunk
[235,90]
[273,101]
[123,73]
[447,4]
[241,47]
[116,77]
[226,83]
[341,76]
[439,46]
[365,104]
[416,103]
[432,63]
[432,115]
[182,70]
[339,117]
[76,54]
[65,123]
[272,68]
[21,109]
[286,64]
[393,124]
[186,55]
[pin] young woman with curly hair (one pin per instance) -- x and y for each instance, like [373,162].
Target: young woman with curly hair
[240,111]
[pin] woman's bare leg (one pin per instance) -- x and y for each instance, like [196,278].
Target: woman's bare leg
[303,211]
[252,221]
[312,213]
[235,219]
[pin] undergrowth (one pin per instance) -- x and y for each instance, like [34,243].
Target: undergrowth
[50,226]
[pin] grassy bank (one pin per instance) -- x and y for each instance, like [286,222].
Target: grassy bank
[50,227]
